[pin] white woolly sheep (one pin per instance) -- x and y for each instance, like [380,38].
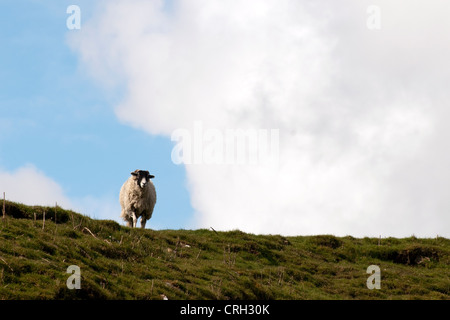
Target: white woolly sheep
[137,198]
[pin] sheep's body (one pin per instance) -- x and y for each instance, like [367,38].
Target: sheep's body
[137,198]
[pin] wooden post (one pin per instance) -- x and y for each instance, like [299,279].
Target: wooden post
[4,206]
[56,226]
[43,221]
[151,289]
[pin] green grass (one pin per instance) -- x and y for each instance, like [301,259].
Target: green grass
[117,262]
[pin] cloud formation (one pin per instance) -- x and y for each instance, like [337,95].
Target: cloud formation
[30,186]
[360,113]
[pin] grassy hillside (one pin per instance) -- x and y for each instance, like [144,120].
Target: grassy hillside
[117,262]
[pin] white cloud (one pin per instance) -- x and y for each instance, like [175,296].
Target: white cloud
[360,112]
[31,186]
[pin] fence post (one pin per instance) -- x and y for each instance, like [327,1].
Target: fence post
[4,206]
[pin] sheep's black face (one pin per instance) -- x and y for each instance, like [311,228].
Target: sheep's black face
[142,177]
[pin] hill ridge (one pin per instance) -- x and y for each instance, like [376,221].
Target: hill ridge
[117,262]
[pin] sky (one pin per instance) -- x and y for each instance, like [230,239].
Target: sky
[60,141]
[356,92]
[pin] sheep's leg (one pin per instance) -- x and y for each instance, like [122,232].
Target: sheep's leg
[143,221]
[129,222]
[133,216]
[126,217]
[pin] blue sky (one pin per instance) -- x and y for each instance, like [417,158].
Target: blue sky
[56,118]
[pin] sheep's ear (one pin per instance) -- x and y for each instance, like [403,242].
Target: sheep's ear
[135,173]
[152,176]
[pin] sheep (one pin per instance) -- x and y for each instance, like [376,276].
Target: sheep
[137,198]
